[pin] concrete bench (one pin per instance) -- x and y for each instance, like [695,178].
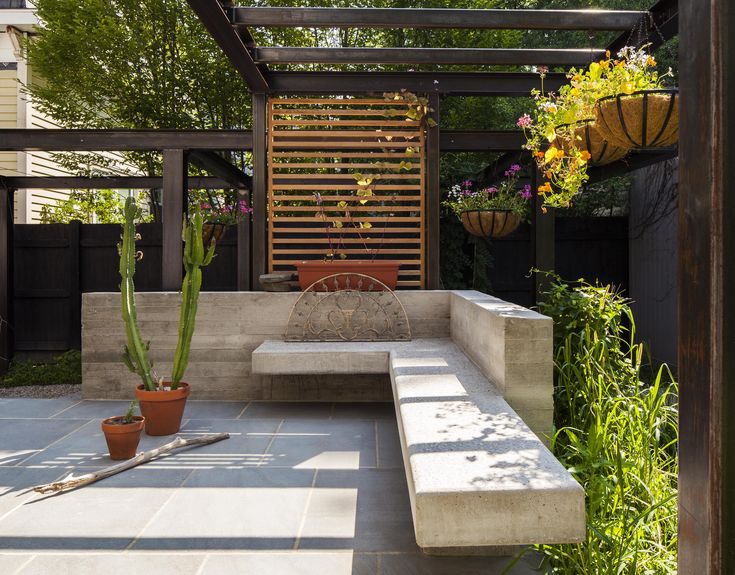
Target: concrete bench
[478,477]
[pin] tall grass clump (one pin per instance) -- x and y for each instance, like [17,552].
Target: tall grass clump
[616,432]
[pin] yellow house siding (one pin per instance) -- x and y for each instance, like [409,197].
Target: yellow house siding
[9,118]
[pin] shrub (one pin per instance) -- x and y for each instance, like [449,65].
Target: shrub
[617,435]
[65,368]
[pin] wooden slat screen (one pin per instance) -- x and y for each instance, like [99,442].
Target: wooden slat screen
[316,146]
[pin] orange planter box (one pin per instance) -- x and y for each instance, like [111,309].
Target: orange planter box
[311,272]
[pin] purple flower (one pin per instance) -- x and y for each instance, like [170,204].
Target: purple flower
[492,191]
[467,183]
[524,121]
[526,192]
[515,168]
[227,209]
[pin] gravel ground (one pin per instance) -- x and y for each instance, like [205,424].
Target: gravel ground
[43,391]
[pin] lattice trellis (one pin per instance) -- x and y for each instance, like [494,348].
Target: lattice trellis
[317,146]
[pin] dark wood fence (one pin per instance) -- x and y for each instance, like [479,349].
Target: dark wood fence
[54,264]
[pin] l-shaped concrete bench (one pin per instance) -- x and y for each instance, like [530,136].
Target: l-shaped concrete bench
[478,476]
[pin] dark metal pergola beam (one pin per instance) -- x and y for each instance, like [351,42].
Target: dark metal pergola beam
[437,18]
[454,83]
[429,56]
[104,183]
[61,140]
[215,20]
[220,167]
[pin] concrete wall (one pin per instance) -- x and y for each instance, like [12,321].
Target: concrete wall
[229,327]
[513,347]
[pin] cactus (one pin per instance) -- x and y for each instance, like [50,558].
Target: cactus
[195,258]
[135,354]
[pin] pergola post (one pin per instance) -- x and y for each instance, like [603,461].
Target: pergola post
[175,186]
[260,200]
[6,278]
[706,360]
[243,247]
[433,193]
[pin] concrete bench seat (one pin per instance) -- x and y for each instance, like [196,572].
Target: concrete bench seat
[478,477]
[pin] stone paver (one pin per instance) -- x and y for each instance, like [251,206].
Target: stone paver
[298,488]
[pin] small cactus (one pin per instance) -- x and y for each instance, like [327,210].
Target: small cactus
[195,258]
[135,354]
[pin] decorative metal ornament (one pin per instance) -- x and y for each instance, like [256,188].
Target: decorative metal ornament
[360,309]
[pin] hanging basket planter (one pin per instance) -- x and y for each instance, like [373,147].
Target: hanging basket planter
[212,231]
[586,135]
[644,119]
[490,223]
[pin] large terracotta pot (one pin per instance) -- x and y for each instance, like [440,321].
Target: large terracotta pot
[490,223]
[644,119]
[312,271]
[122,438]
[587,136]
[162,410]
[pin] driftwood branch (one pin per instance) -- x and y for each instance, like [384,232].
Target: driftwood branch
[72,482]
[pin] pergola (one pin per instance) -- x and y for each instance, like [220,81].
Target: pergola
[707,332]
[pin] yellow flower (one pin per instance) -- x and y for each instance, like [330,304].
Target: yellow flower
[586,155]
[551,155]
[559,154]
[620,65]
[651,61]
[545,188]
[607,53]
[574,91]
[628,87]
[539,154]
[605,64]
[577,78]
[548,174]
[543,209]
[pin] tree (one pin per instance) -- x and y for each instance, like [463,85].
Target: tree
[89,207]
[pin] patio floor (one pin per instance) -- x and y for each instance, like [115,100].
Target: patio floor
[298,488]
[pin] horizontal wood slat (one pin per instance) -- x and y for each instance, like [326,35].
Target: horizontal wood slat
[309,139]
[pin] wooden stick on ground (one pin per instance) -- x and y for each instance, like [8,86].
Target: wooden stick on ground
[72,482]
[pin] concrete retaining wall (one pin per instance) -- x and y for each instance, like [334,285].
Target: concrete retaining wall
[229,327]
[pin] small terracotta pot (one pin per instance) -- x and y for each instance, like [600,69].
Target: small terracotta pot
[310,272]
[122,438]
[162,410]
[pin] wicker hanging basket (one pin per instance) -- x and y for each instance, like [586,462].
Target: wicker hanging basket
[490,223]
[585,135]
[211,232]
[644,119]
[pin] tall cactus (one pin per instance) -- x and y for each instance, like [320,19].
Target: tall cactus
[195,258]
[135,354]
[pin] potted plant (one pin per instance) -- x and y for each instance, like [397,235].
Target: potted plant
[161,402]
[491,212]
[219,213]
[577,126]
[637,111]
[122,433]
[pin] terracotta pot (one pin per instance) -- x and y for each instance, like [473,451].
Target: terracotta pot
[211,232]
[310,272]
[162,410]
[490,223]
[644,119]
[122,438]
[587,136]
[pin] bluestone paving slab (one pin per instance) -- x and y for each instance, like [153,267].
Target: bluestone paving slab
[95,409]
[15,483]
[109,564]
[94,518]
[389,444]
[228,518]
[214,409]
[331,514]
[288,410]
[308,444]
[294,563]
[11,563]
[353,411]
[259,477]
[383,520]
[23,438]
[34,408]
